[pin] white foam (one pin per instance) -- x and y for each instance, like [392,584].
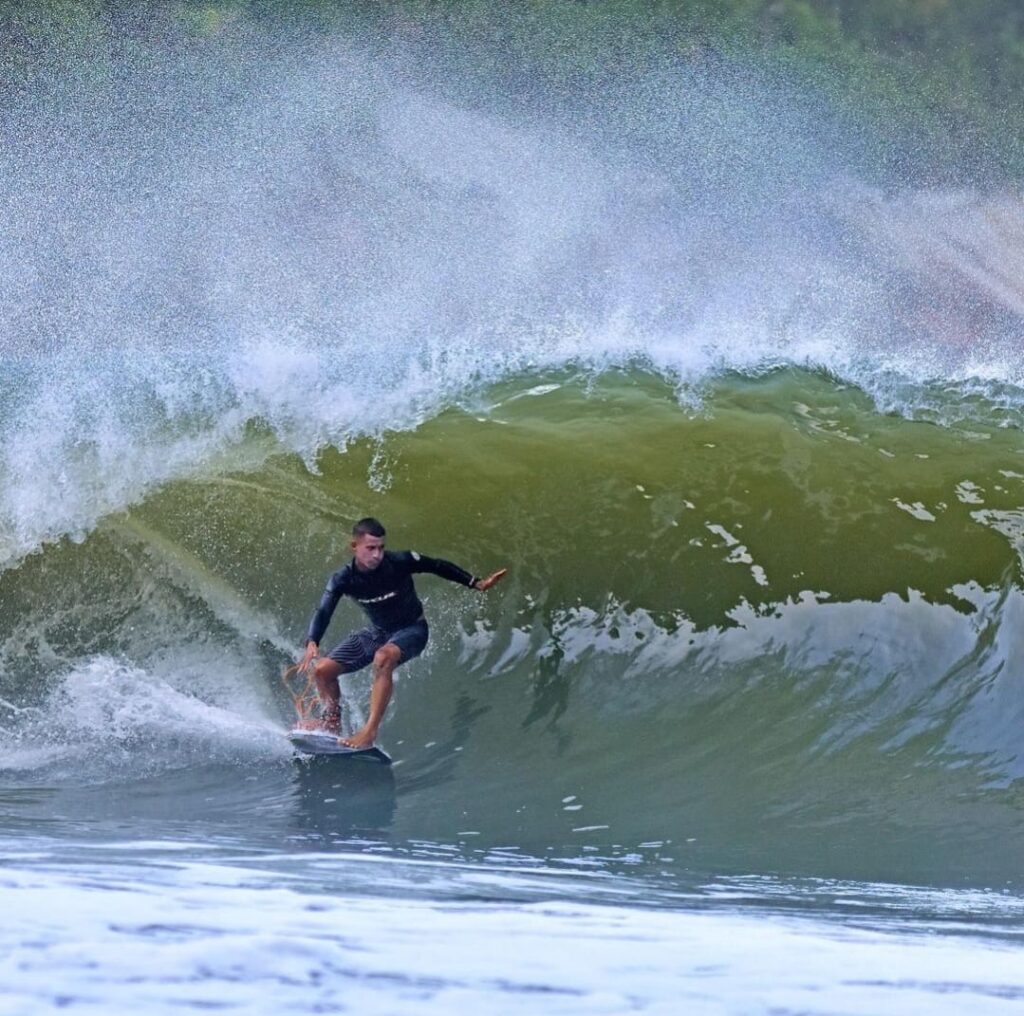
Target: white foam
[917,510]
[211,936]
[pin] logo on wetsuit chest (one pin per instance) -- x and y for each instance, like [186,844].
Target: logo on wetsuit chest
[378,599]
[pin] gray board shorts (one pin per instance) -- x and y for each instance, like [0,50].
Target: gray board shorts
[357,650]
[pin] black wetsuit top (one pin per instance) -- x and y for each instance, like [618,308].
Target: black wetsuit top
[387,593]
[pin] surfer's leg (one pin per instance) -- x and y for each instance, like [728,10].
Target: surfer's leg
[348,656]
[326,673]
[384,662]
[401,646]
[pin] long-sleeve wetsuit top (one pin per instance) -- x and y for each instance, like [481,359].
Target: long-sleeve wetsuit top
[387,593]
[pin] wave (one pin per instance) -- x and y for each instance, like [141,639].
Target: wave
[793,621]
[341,250]
[746,433]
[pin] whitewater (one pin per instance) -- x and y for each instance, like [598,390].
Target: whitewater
[740,732]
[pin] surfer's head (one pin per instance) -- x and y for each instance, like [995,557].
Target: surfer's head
[368,543]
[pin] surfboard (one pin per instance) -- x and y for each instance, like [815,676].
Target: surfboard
[319,742]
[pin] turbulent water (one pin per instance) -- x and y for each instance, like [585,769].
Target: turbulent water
[746,434]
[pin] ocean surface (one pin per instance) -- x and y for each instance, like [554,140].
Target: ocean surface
[741,731]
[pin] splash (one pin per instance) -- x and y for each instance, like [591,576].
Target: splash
[207,262]
[115,720]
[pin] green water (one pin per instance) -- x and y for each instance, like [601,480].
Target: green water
[775,631]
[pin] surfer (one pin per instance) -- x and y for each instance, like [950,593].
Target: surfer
[380,581]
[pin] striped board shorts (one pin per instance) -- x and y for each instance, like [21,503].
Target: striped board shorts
[357,650]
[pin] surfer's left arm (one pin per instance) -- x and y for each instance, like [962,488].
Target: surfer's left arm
[485,583]
[419,563]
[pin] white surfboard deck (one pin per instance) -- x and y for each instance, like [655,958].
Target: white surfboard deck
[319,742]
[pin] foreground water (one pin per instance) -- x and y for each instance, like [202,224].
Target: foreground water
[172,926]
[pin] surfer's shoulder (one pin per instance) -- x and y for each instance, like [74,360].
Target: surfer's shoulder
[406,560]
[341,578]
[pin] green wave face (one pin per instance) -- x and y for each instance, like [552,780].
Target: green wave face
[774,632]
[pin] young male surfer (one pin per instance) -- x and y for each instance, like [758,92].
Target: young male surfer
[380,581]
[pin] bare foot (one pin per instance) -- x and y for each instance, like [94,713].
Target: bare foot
[361,739]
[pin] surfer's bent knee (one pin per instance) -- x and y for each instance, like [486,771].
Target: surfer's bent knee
[326,668]
[387,655]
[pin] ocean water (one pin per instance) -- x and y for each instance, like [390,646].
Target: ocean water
[741,730]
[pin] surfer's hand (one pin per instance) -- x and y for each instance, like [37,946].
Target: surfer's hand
[484,584]
[311,653]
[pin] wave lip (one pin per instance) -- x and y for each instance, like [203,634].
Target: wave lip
[68,462]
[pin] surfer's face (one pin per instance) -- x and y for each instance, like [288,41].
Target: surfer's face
[368,551]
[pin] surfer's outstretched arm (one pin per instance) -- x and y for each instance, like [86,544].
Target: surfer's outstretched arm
[419,563]
[484,584]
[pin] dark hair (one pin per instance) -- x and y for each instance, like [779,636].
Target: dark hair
[367,527]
